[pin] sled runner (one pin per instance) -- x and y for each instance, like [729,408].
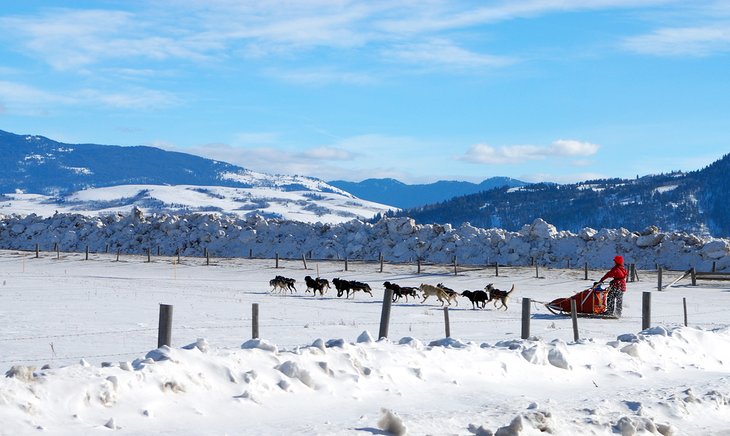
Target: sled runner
[590,302]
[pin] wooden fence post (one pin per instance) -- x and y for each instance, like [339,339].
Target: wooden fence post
[694,277]
[164,332]
[277,260]
[106,249]
[87,252]
[207,257]
[646,310]
[255,321]
[586,271]
[446,322]
[58,251]
[496,269]
[537,271]
[250,253]
[381,262]
[178,256]
[119,250]
[574,317]
[385,313]
[525,318]
[304,260]
[659,279]
[418,262]
[568,263]
[149,254]
[455,264]
[158,250]
[37,250]
[345,264]
[684,304]
[714,266]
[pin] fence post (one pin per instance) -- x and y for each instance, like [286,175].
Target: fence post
[646,310]
[574,317]
[250,253]
[714,266]
[446,322]
[87,252]
[568,263]
[659,279]
[496,269]
[207,257]
[118,251]
[385,313]
[381,262]
[525,318]
[149,254]
[164,332]
[205,251]
[345,264]
[586,271]
[106,249]
[694,277]
[684,303]
[37,249]
[532,261]
[418,262]
[277,260]
[158,250]
[255,321]
[58,251]
[537,271]
[178,256]
[455,264]
[304,260]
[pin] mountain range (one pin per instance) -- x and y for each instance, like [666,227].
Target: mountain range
[404,196]
[42,176]
[696,201]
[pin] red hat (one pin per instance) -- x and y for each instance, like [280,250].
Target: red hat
[619,260]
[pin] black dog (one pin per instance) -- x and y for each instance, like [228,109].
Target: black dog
[347,286]
[401,291]
[315,285]
[478,298]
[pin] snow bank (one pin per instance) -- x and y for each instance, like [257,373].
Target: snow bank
[598,392]
[398,239]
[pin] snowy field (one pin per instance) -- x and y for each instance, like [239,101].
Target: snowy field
[317,368]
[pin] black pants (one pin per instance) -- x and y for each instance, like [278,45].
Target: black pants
[614,302]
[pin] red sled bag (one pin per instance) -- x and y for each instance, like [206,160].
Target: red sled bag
[592,300]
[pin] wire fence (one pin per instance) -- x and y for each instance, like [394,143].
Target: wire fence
[351,315]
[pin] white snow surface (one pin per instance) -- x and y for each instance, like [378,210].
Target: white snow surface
[288,197]
[78,344]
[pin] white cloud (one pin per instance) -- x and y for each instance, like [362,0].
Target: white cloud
[321,76]
[513,154]
[682,41]
[441,52]
[327,153]
[19,97]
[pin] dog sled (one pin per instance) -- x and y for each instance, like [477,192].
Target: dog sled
[588,303]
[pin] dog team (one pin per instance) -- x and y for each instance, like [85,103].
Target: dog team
[440,292]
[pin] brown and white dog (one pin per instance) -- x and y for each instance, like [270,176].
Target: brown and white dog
[498,295]
[437,292]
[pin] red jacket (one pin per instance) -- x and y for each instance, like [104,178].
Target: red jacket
[618,273]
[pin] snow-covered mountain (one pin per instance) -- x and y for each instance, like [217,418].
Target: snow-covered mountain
[42,176]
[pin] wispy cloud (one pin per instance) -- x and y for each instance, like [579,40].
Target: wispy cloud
[321,76]
[441,52]
[24,98]
[682,41]
[514,154]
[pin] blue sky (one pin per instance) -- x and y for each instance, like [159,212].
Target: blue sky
[540,90]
